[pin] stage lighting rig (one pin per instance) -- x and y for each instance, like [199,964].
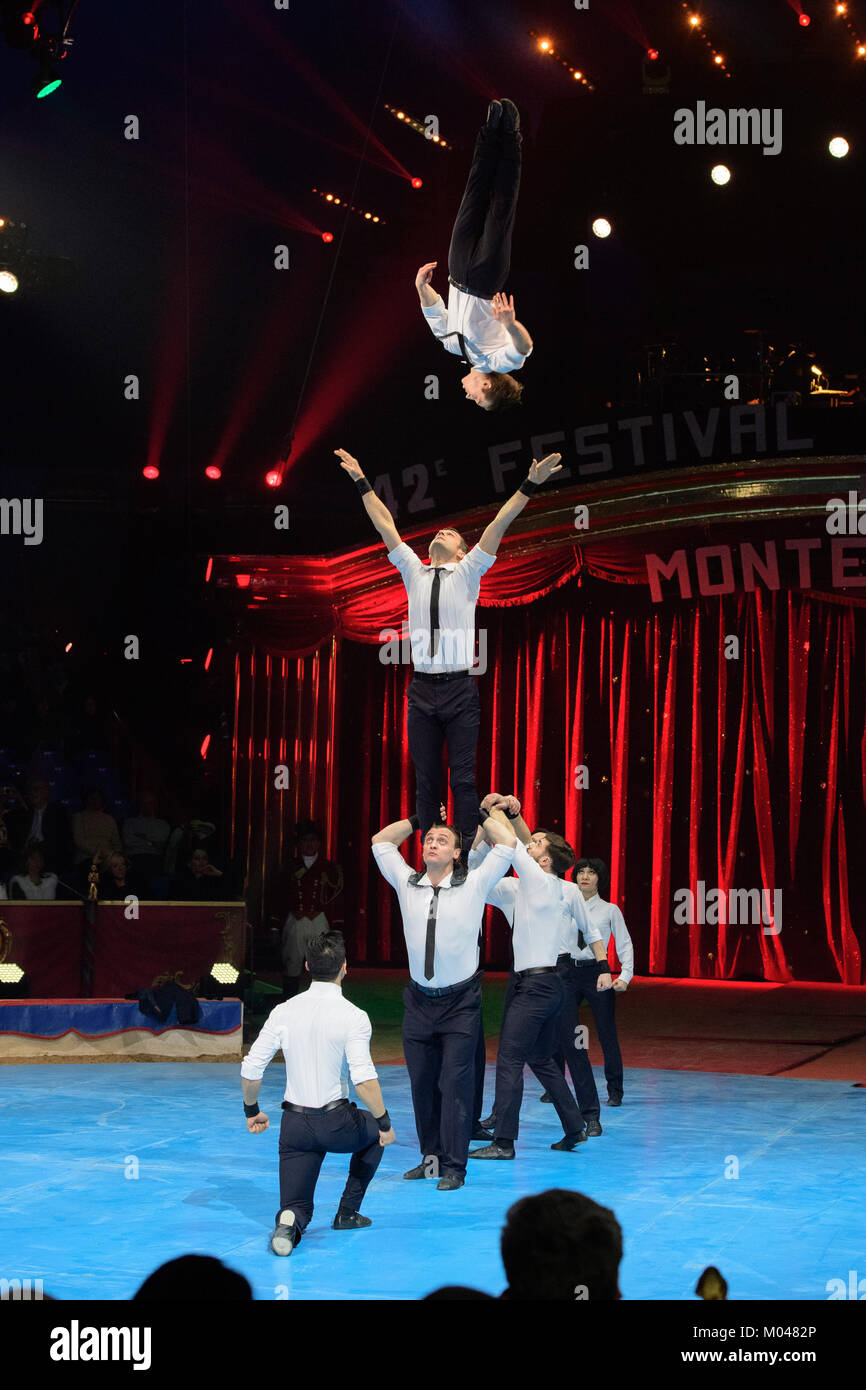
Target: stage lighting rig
[348,207]
[418,126]
[547,46]
[43,32]
[24,269]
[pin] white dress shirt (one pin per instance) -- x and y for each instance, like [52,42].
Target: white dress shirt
[321,1035]
[487,344]
[459,912]
[536,907]
[458,595]
[575,918]
[610,922]
[43,891]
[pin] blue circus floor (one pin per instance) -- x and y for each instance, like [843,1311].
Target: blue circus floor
[791,1221]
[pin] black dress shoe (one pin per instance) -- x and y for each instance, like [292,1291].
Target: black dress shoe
[479,1132]
[449,1184]
[285,1234]
[593,1128]
[494,115]
[570,1141]
[614,1100]
[547,1098]
[350,1221]
[490,1122]
[493,1150]
[419,1172]
[510,117]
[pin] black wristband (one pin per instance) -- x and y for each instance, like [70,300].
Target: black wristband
[415,822]
[512,817]
[383,1121]
[482,815]
[250,1110]
[529,488]
[362,485]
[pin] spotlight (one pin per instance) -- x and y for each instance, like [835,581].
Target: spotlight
[209,570]
[8,282]
[720,174]
[212,471]
[861,50]
[14,984]
[417,183]
[208,659]
[68,647]
[272,479]
[150,472]
[243,580]
[205,744]
[694,21]
[327,236]
[838,147]
[601,227]
[804,20]
[544,45]
[652,54]
[46,82]
[841,9]
[224,982]
[718,59]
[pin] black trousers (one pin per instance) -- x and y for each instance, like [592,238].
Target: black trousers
[480,1068]
[479,256]
[530,1030]
[445,713]
[440,1044]
[304,1141]
[581,985]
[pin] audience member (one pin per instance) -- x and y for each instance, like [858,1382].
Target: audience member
[33,882]
[145,838]
[560,1245]
[120,880]
[202,881]
[39,819]
[194,1278]
[94,831]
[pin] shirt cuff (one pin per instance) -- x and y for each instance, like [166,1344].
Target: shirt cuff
[428,309]
[360,1074]
[384,847]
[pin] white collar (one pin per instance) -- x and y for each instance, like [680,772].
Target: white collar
[452,565]
[424,881]
[321,986]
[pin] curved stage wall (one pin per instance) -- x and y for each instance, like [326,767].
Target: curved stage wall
[678,688]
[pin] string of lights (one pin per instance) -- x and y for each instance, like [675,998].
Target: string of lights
[842,12]
[696,25]
[420,127]
[350,207]
[546,46]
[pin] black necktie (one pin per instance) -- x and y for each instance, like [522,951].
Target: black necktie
[430,945]
[434,612]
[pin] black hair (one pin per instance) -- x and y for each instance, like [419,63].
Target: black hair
[326,955]
[194,1277]
[561,1245]
[599,867]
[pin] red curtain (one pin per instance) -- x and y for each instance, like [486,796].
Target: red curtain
[722,740]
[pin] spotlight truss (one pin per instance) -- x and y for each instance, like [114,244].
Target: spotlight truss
[348,207]
[696,26]
[418,126]
[41,29]
[549,49]
[842,12]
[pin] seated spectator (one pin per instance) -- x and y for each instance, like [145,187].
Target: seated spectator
[194,1277]
[39,819]
[187,835]
[145,838]
[94,831]
[202,882]
[33,882]
[561,1245]
[119,880]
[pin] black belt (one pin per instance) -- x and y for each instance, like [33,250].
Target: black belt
[440,676]
[565,959]
[536,970]
[466,289]
[446,989]
[313,1109]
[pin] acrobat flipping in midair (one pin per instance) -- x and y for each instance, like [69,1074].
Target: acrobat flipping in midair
[479,323]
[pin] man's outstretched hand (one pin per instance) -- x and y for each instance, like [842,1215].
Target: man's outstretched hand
[503,309]
[352,466]
[425,274]
[540,472]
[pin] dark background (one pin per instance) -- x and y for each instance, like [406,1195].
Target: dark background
[242,110]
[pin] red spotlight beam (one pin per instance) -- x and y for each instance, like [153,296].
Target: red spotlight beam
[271,35]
